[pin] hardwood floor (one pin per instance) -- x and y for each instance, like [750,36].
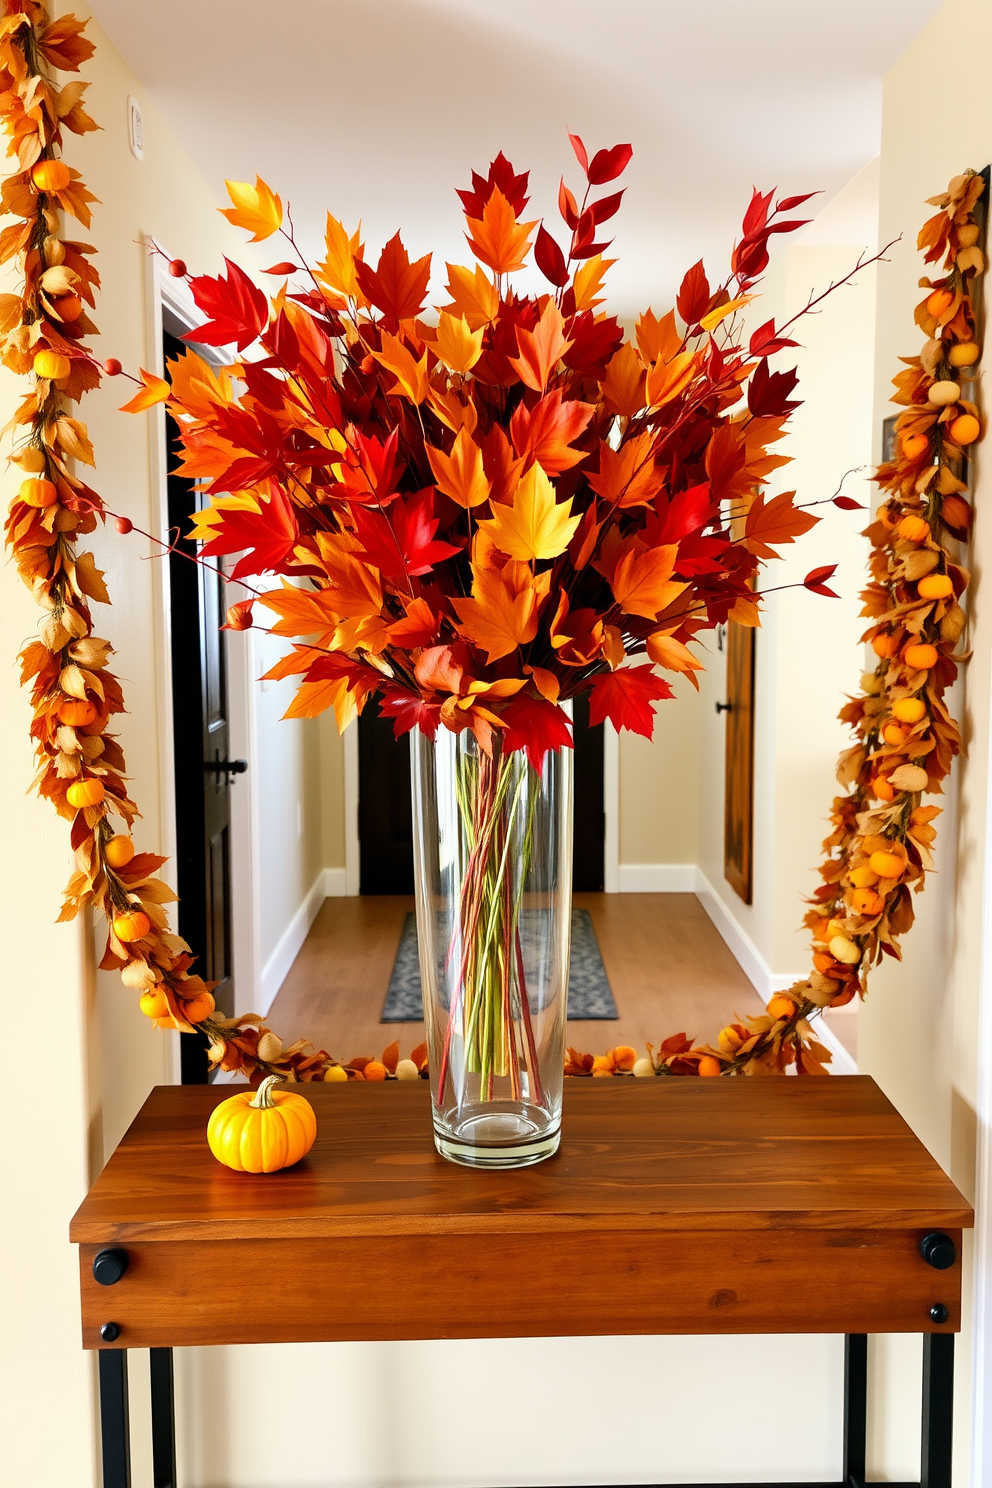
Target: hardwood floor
[669,971]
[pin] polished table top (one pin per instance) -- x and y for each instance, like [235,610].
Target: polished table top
[636,1155]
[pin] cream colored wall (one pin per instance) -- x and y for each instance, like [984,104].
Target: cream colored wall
[919,1032]
[332,792]
[807,655]
[69,1027]
[659,784]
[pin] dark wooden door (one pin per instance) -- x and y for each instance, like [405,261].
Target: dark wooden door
[385,815]
[202,752]
[589,820]
[385,820]
[738,799]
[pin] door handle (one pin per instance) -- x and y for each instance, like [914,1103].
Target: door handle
[724,707]
[225,767]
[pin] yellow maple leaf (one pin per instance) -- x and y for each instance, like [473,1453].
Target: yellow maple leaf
[473,295]
[503,610]
[497,238]
[711,321]
[338,268]
[256,208]
[588,281]
[458,346]
[460,475]
[535,525]
[411,375]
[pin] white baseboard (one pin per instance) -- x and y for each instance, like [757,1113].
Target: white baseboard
[754,966]
[656,878]
[276,968]
[335,883]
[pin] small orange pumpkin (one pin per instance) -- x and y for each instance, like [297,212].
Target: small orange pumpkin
[935,586]
[50,175]
[920,657]
[262,1131]
[909,709]
[85,793]
[40,493]
[154,1003]
[52,364]
[131,925]
[118,852]
[77,712]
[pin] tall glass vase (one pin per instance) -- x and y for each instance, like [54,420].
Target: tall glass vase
[493,866]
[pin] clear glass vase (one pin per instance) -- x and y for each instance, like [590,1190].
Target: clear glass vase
[493,867]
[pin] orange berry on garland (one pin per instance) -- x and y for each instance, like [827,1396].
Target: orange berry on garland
[177,268]
[195,1009]
[914,445]
[85,793]
[118,852]
[780,1006]
[909,709]
[375,1071]
[124,525]
[883,788]
[154,1003]
[50,175]
[708,1066]
[914,529]
[52,364]
[965,354]
[867,902]
[112,367]
[885,644]
[36,492]
[887,864]
[131,925]
[69,307]
[935,586]
[863,877]
[965,429]
[895,733]
[77,712]
[920,657]
[624,1057]
[940,301]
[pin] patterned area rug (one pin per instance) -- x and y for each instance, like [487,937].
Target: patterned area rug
[589,994]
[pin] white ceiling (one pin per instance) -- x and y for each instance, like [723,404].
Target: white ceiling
[377,109]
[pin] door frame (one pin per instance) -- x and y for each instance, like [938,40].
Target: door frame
[611,806]
[169,300]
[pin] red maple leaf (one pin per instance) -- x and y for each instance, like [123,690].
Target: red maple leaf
[594,344]
[626,697]
[238,310]
[501,175]
[269,537]
[395,286]
[535,725]
[409,711]
[402,543]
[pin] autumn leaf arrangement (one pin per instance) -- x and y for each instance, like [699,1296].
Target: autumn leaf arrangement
[476,515]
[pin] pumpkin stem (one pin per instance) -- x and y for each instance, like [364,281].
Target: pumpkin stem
[263,1095]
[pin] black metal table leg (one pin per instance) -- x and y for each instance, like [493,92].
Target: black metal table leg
[938,1409]
[855,1409]
[114,1427]
[163,1418]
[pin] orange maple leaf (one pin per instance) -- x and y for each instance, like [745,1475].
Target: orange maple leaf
[460,475]
[540,349]
[546,432]
[666,380]
[503,611]
[623,385]
[457,344]
[673,655]
[411,376]
[642,580]
[154,390]
[395,286]
[473,295]
[338,268]
[303,612]
[778,522]
[498,239]
[657,340]
[628,476]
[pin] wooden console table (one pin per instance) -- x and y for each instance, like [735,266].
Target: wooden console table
[673,1206]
